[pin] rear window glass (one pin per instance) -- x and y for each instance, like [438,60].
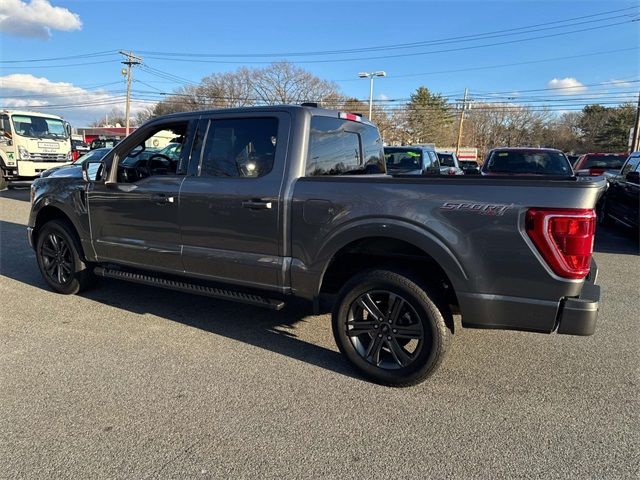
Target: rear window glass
[446,159]
[403,160]
[528,163]
[342,147]
[606,161]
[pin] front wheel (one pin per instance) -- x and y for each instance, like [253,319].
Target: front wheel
[390,328]
[59,258]
[3,181]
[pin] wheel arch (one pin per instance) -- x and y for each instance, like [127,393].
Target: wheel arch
[385,244]
[53,212]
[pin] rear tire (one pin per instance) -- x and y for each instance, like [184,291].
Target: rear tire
[389,327]
[60,259]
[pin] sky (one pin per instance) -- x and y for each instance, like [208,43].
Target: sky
[557,53]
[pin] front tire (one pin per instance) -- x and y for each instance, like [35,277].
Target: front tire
[389,327]
[3,181]
[59,258]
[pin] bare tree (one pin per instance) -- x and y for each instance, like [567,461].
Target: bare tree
[283,82]
[113,118]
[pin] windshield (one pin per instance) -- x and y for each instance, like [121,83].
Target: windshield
[446,159]
[93,155]
[405,159]
[38,127]
[528,162]
[604,161]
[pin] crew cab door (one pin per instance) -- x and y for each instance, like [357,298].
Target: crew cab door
[134,219]
[230,203]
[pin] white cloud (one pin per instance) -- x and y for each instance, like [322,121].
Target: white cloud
[36,18]
[78,105]
[383,97]
[566,86]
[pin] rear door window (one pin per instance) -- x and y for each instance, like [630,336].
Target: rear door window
[243,147]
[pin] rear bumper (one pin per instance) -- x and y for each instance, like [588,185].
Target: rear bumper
[578,315]
[569,315]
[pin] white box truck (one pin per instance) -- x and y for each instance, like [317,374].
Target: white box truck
[31,142]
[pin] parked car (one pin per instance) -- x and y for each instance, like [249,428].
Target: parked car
[526,161]
[621,201]
[412,160]
[267,203]
[573,159]
[595,164]
[469,167]
[78,148]
[75,168]
[449,164]
[103,143]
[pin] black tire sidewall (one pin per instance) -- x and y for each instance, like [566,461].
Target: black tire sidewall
[432,321]
[603,218]
[61,228]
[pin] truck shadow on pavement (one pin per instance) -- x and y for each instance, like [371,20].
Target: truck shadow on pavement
[16,193]
[272,331]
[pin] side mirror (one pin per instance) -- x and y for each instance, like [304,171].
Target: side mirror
[92,171]
[633,177]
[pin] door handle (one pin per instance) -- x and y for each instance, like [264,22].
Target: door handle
[162,199]
[257,204]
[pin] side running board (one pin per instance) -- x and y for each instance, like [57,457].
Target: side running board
[213,292]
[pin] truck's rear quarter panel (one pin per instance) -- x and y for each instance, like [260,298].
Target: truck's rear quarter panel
[473,227]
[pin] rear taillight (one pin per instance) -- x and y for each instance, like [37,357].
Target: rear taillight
[452,171]
[594,172]
[564,238]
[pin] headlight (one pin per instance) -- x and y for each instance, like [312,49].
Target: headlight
[23,153]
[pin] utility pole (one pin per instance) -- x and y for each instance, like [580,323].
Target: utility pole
[131,60]
[464,107]
[635,139]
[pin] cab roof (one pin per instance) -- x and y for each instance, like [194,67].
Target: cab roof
[29,112]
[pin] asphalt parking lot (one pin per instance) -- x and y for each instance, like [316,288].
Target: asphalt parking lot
[126,381]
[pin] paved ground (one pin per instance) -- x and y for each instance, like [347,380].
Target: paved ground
[130,382]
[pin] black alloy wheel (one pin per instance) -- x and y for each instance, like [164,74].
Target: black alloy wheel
[385,329]
[60,258]
[57,259]
[391,326]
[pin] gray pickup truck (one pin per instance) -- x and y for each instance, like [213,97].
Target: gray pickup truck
[267,203]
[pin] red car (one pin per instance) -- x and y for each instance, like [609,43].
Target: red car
[595,164]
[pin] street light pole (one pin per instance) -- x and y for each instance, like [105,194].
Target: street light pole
[370,96]
[371,76]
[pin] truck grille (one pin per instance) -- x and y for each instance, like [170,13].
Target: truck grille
[48,157]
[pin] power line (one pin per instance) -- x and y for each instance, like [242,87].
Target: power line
[403,55]
[69,57]
[60,66]
[488,67]
[456,39]
[609,82]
